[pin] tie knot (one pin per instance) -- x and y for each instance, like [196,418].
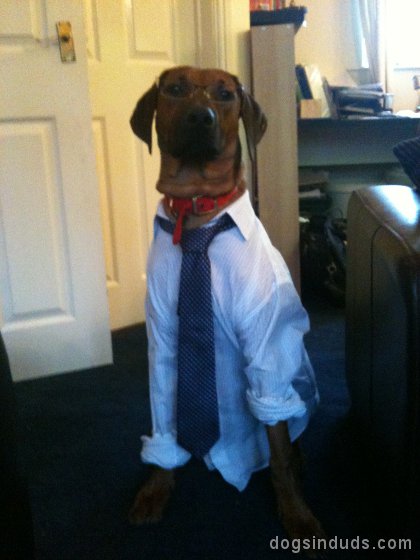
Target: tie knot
[197,240]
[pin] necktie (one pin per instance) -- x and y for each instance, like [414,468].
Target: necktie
[197,408]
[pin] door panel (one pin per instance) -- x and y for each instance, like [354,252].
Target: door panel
[37,191]
[53,307]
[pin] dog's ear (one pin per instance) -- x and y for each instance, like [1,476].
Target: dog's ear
[255,122]
[142,118]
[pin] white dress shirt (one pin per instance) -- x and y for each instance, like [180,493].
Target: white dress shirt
[263,373]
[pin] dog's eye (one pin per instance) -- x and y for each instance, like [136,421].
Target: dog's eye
[223,94]
[175,90]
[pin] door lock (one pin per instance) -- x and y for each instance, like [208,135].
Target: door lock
[65,41]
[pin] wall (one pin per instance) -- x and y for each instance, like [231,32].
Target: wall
[401,85]
[328,41]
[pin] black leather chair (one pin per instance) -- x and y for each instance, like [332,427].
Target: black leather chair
[383,344]
[16,531]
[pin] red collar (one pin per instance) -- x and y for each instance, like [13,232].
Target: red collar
[197,206]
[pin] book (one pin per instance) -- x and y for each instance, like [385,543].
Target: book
[304,87]
[313,85]
[316,84]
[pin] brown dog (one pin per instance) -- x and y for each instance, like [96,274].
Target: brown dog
[201,175]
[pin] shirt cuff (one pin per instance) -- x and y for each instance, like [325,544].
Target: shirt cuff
[270,410]
[163,450]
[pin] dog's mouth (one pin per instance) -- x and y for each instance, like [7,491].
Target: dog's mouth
[196,148]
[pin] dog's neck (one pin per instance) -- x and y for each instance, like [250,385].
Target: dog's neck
[209,179]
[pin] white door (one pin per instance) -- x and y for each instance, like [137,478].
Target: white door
[130,42]
[53,306]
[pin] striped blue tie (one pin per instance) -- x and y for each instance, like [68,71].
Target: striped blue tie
[197,408]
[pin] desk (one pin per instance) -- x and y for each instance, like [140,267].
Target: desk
[355,152]
[343,142]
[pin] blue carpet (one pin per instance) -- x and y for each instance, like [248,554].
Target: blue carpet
[80,444]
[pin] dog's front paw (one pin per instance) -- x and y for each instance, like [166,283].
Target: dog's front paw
[148,506]
[152,498]
[305,527]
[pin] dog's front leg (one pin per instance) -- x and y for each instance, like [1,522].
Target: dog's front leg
[152,497]
[285,462]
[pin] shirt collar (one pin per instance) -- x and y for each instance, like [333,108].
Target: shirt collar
[242,214]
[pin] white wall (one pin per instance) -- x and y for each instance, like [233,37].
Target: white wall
[401,85]
[328,41]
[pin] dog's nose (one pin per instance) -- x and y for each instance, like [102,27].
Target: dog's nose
[201,116]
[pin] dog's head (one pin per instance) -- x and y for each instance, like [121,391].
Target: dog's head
[197,115]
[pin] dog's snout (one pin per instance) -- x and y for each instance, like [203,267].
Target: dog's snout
[201,116]
[197,132]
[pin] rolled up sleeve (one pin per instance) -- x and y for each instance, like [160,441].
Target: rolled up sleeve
[164,451]
[270,410]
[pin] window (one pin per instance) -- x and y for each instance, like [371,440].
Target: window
[402,33]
